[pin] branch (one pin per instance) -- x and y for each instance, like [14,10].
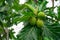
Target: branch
[7,33]
[53,4]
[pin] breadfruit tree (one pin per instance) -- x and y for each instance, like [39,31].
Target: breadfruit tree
[40,22]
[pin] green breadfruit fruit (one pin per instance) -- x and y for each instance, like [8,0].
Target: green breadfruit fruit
[40,23]
[41,14]
[32,20]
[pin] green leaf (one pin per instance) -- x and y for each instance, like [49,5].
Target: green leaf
[42,5]
[11,34]
[1,2]
[21,19]
[29,33]
[1,30]
[16,5]
[52,31]
[58,12]
[46,38]
[30,7]
[4,8]
[10,2]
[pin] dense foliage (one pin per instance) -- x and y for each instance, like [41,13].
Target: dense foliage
[40,22]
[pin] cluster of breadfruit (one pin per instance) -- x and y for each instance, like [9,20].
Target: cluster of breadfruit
[40,16]
[38,20]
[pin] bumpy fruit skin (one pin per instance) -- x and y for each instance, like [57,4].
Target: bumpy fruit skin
[40,23]
[41,14]
[32,20]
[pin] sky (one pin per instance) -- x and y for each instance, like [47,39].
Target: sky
[20,25]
